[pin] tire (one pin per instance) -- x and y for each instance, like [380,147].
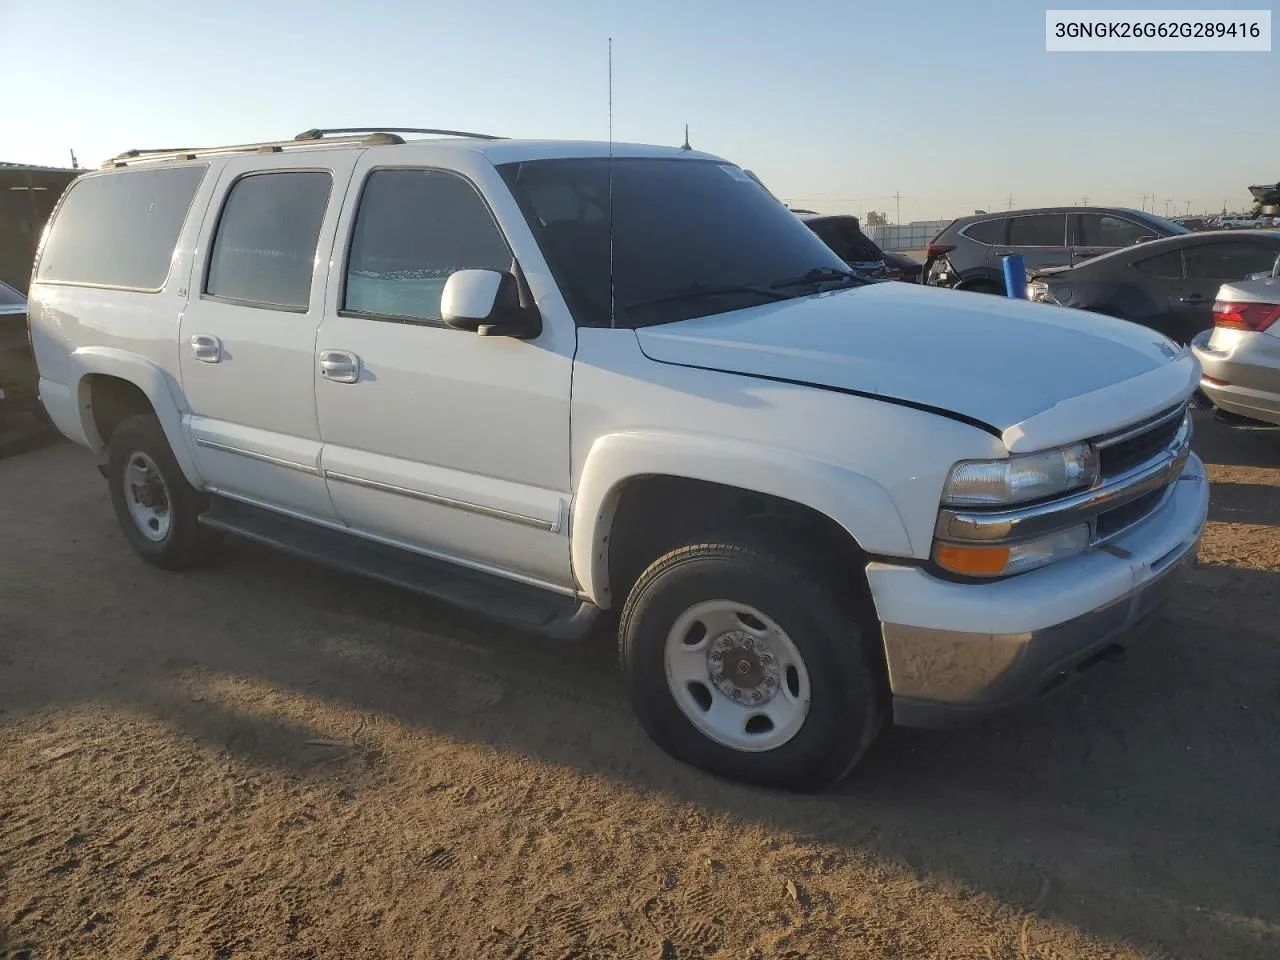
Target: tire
[843,678]
[156,507]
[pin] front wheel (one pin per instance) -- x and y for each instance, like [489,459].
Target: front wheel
[738,660]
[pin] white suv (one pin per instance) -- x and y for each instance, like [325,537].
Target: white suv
[545,379]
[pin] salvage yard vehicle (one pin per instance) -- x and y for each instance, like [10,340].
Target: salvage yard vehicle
[967,253]
[1167,285]
[546,379]
[1240,355]
[843,234]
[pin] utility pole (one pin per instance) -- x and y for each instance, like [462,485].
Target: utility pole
[1084,201]
[1188,208]
[897,219]
[1010,202]
[1167,204]
[1144,203]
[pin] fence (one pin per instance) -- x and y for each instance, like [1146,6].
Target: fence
[904,236]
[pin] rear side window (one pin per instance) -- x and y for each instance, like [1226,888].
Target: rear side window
[415,228]
[119,229]
[1103,230]
[1229,261]
[1166,265]
[1038,230]
[265,249]
[989,232]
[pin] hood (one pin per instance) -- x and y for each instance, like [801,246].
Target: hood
[1000,362]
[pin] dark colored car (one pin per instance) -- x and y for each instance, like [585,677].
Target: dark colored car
[966,254]
[17,367]
[843,234]
[1168,285]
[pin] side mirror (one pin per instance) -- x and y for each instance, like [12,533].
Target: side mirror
[487,302]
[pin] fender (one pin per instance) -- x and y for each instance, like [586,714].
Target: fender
[160,388]
[860,505]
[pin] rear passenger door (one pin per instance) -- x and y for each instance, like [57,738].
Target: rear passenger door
[1208,266]
[247,343]
[1098,233]
[1041,238]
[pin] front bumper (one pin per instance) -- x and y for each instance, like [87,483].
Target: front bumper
[959,651]
[1243,376]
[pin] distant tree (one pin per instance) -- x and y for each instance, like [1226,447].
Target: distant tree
[876,219]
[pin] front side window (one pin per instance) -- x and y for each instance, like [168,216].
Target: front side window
[1234,260]
[119,229]
[264,252]
[690,237]
[1103,230]
[1038,230]
[413,229]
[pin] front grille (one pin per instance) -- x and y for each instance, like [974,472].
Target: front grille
[1118,458]
[1113,521]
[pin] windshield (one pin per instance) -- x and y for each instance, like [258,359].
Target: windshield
[690,237]
[10,297]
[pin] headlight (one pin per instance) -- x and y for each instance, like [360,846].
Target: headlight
[1019,479]
[1036,290]
[1002,561]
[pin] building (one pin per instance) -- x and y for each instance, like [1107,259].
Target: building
[27,197]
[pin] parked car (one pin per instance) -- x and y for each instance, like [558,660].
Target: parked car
[843,234]
[541,380]
[1240,356]
[17,367]
[1167,285]
[966,254]
[1237,223]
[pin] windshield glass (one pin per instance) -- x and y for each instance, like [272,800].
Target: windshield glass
[10,297]
[680,226]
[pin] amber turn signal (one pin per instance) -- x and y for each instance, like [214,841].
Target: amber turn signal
[972,561]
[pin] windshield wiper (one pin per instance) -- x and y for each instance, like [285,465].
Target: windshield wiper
[823,275]
[701,288]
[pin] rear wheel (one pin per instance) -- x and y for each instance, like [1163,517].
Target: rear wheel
[157,508]
[739,660]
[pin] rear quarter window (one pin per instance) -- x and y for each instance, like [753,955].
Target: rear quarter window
[119,229]
[989,232]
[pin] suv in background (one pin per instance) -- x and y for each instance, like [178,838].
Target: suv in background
[966,254]
[842,232]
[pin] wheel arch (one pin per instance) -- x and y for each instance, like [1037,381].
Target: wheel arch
[662,485]
[111,385]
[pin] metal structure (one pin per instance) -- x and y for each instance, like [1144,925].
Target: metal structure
[28,194]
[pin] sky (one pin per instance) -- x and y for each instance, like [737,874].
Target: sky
[837,106]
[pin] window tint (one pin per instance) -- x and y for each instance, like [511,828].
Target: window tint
[1229,261]
[989,232]
[413,229]
[10,297]
[1102,230]
[265,248]
[1040,230]
[677,224]
[119,229]
[1167,265]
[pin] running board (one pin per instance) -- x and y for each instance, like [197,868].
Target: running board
[516,604]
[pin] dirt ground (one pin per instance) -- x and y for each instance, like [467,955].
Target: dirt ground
[265,759]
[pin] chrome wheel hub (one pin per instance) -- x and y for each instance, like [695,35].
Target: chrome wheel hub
[147,497]
[737,676]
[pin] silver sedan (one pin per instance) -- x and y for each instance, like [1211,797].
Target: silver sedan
[1240,356]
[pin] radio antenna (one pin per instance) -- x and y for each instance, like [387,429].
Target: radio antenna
[612,316]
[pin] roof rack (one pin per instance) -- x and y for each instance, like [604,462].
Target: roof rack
[364,136]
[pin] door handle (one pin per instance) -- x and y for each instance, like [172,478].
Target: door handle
[339,366]
[1192,298]
[206,347]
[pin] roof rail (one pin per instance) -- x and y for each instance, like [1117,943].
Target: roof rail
[266,146]
[319,133]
